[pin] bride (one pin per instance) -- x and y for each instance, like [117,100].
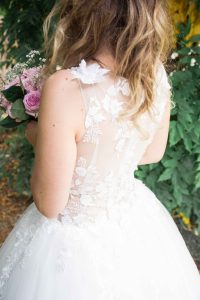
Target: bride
[94,231]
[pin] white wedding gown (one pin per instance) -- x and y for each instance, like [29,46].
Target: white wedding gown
[114,240]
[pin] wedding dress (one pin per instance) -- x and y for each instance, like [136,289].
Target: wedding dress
[114,240]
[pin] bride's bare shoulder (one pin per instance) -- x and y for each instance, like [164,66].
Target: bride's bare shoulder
[61,80]
[61,100]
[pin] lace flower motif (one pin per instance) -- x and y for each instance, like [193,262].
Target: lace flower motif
[112,106]
[89,73]
[121,85]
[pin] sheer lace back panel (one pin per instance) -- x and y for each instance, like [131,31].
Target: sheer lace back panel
[109,150]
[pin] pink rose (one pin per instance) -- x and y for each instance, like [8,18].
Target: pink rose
[32,102]
[29,79]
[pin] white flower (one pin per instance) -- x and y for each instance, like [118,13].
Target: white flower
[112,91]
[123,86]
[112,106]
[86,200]
[193,62]
[89,73]
[94,114]
[80,171]
[191,51]
[174,55]
[77,182]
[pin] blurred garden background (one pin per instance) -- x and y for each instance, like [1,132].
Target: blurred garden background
[175,180]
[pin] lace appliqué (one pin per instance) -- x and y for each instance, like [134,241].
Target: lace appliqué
[89,74]
[121,85]
[93,118]
[112,106]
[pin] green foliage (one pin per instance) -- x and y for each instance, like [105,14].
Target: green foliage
[16,161]
[18,110]
[176,179]
[197,3]
[9,123]
[12,93]
[22,27]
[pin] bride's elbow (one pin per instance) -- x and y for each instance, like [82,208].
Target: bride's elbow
[45,207]
[46,212]
[46,203]
[152,159]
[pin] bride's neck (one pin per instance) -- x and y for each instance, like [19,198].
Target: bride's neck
[105,58]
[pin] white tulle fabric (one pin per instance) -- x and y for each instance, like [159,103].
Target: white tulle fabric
[114,240]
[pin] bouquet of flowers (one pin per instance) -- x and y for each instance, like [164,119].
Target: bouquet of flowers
[20,92]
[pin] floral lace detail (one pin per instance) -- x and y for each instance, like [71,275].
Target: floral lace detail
[122,135]
[89,74]
[93,118]
[112,106]
[84,190]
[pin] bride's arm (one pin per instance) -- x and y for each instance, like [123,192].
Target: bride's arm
[156,149]
[59,123]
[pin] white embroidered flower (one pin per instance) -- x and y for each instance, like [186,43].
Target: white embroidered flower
[77,182]
[94,114]
[112,105]
[122,85]
[112,91]
[89,73]
[86,200]
[92,134]
[80,171]
[122,135]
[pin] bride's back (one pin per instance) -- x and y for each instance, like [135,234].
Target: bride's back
[109,149]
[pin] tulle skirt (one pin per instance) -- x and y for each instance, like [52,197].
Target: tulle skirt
[142,256]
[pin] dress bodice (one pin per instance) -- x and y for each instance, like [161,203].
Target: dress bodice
[110,150]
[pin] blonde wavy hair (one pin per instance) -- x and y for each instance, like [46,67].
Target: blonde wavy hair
[138,33]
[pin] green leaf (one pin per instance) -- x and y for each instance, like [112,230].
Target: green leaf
[165,175]
[188,143]
[195,38]
[184,51]
[171,163]
[197,181]
[178,195]
[180,130]
[13,93]
[2,111]
[18,110]
[174,136]
[8,122]
[184,29]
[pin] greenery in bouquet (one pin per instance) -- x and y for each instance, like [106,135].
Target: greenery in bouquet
[21,90]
